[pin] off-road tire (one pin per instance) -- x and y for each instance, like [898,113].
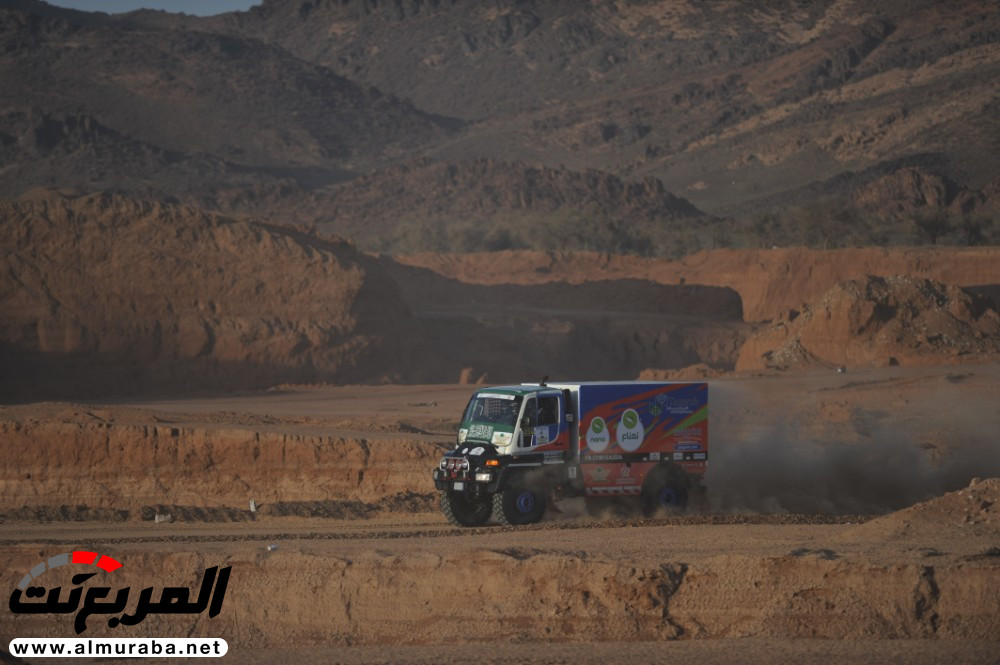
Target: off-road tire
[463,511]
[520,503]
[666,490]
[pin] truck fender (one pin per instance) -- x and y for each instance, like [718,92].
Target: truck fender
[511,472]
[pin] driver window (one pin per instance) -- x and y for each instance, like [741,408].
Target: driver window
[548,410]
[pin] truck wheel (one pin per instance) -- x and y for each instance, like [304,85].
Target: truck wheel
[666,490]
[519,503]
[463,511]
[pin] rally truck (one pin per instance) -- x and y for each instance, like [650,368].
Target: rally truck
[520,445]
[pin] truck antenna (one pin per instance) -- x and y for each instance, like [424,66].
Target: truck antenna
[544,379]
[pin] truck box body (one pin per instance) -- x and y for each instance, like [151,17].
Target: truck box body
[623,429]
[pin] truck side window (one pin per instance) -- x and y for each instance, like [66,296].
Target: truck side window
[548,410]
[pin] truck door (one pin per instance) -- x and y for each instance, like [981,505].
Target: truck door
[547,426]
[543,424]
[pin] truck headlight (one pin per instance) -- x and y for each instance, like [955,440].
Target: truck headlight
[501,438]
[484,477]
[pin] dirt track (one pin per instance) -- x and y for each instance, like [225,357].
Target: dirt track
[348,559]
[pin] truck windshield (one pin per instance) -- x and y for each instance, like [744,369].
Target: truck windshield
[495,409]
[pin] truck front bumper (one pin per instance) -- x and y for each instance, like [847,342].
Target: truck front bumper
[474,482]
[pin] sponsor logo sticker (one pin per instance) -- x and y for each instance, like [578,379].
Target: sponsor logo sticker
[630,432]
[597,435]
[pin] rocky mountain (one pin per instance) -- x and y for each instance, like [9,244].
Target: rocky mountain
[725,102]
[194,93]
[751,112]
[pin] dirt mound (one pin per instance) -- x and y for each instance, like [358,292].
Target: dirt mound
[116,295]
[876,322]
[974,509]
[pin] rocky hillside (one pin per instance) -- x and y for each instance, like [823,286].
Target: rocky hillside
[76,150]
[908,191]
[186,94]
[880,321]
[446,207]
[725,103]
[115,295]
[828,124]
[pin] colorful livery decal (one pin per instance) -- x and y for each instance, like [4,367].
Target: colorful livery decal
[626,429]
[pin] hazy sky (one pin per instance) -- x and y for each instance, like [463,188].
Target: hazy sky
[198,7]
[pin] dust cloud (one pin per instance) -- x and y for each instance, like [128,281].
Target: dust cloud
[774,458]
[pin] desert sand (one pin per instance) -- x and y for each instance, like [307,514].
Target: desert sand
[839,524]
[258,396]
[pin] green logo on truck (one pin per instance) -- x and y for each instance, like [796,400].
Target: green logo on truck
[630,432]
[598,437]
